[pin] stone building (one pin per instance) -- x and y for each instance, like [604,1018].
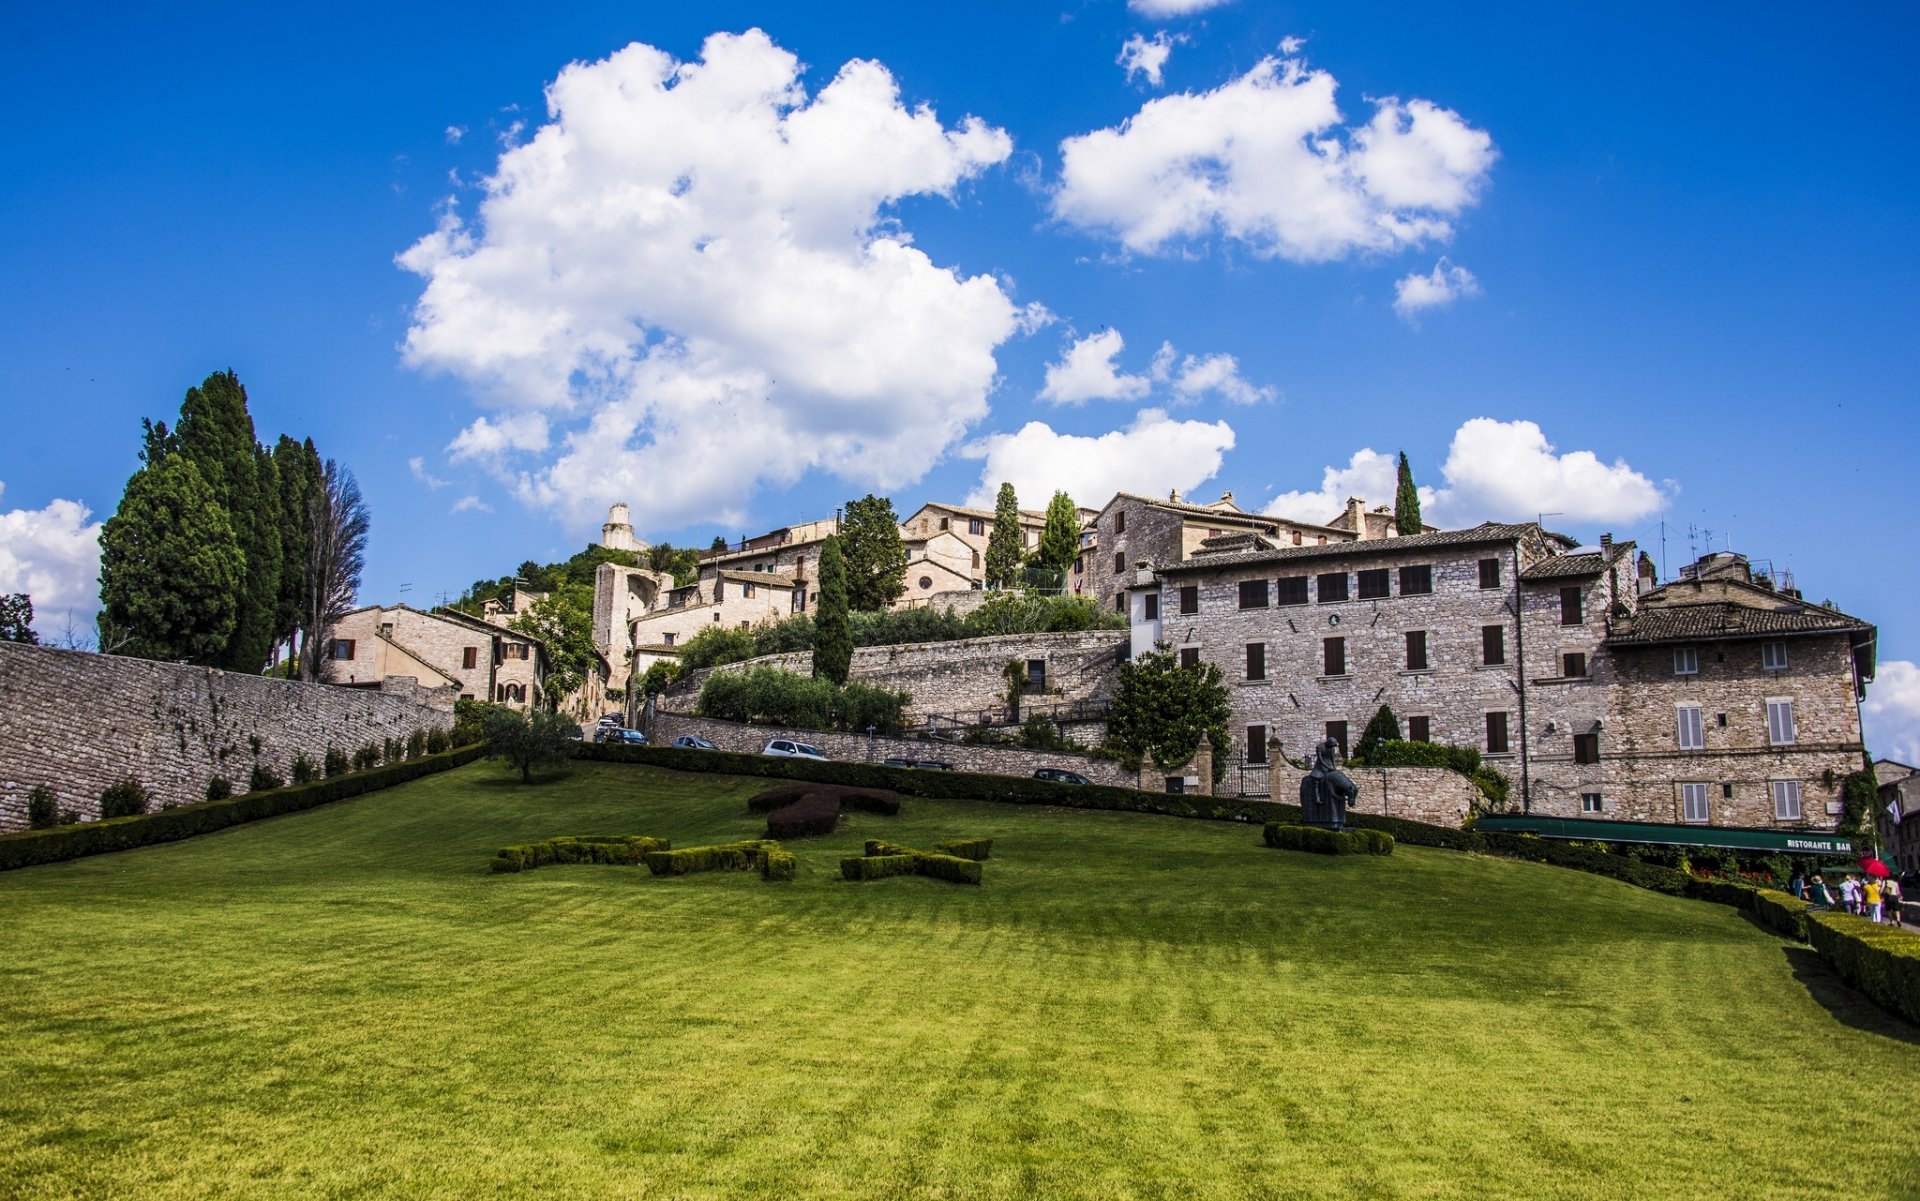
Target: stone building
[1898,817]
[1713,700]
[486,662]
[1134,529]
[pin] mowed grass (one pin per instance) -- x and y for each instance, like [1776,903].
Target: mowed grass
[345,1003]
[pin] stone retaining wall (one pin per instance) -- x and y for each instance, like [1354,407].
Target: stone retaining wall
[77,722]
[857,748]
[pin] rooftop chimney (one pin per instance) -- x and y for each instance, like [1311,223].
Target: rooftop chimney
[1357,517]
[1606,546]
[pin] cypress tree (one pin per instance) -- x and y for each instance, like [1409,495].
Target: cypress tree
[1385,727]
[1406,501]
[216,433]
[1060,537]
[170,567]
[832,632]
[876,559]
[1003,548]
[297,466]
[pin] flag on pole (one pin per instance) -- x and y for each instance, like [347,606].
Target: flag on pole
[1893,812]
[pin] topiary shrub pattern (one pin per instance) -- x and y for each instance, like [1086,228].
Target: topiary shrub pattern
[1320,841]
[629,849]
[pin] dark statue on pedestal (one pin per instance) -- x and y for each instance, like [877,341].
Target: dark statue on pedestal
[1326,791]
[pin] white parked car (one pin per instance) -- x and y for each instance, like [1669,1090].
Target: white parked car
[786,748]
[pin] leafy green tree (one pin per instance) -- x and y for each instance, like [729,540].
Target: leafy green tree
[714,645]
[1859,799]
[658,678]
[16,618]
[1406,501]
[832,637]
[1004,551]
[564,621]
[216,432]
[528,739]
[683,563]
[1384,728]
[876,559]
[1060,537]
[1160,709]
[170,567]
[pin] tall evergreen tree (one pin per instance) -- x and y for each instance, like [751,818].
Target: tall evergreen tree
[170,568]
[297,466]
[216,432]
[876,558]
[1406,501]
[1003,547]
[1060,537]
[832,633]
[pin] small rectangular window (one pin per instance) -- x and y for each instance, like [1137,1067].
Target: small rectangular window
[469,657]
[1337,730]
[1079,564]
[1190,599]
[1786,800]
[1375,584]
[1120,522]
[1686,661]
[1586,748]
[1416,580]
[1489,573]
[1573,665]
[1333,657]
[1591,802]
[746,589]
[669,638]
[1773,656]
[976,525]
[1493,645]
[1694,806]
[1151,607]
[343,648]
[1256,660]
[1420,729]
[1189,656]
[1780,731]
[1689,734]
[1256,744]
[1253,594]
[1036,675]
[1332,586]
[1119,602]
[1291,590]
[946,523]
[1416,650]
[1573,607]
[1119,562]
[1497,733]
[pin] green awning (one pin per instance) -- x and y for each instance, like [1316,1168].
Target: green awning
[1727,838]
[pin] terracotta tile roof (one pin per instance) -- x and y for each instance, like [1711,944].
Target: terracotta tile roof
[1726,620]
[1583,563]
[1490,532]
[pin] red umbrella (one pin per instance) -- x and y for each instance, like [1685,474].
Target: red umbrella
[1873,867]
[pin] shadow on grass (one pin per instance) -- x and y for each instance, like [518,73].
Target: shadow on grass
[509,778]
[1839,999]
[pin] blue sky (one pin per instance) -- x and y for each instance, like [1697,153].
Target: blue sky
[732,284]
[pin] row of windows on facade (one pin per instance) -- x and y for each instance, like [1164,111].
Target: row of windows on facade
[1333,654]
[342,649]
[1330,587]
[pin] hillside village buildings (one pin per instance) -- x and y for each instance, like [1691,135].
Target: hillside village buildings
[442,649]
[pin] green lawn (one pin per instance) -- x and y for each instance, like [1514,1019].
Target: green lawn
[344,1003]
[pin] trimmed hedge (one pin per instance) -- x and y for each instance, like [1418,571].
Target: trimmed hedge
[582,848]
[893,860]
[871,800]
[31,847]
[815,813]
[965,848]
[1782,911]
[1882,962]
[1327,842]
[769,858]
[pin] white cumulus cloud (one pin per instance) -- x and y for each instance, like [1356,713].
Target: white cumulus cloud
[688,281]
[1154,454]
[1193,377]
[1147,56]
[1890,715]
[1437,289]
[1160,9]
[1265,161]
[1494,471]
[53,555]
[1086,372]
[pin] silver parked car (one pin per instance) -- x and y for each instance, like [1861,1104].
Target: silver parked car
[787,748]
[693,742]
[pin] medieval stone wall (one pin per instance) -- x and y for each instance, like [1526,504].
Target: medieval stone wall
[77,723]
[965,676]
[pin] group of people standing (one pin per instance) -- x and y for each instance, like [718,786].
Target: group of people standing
[1873,898]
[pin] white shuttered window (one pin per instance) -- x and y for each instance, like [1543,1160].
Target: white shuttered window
[1786,800]
[1689,730]
[1693,803]
[1780,723]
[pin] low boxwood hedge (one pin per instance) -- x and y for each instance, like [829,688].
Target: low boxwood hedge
[769,858]
[581,848]
[31,847]
[894,860]
[1782,911]
[813,814]
[1880,961]
[1327,842]
[965,848]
